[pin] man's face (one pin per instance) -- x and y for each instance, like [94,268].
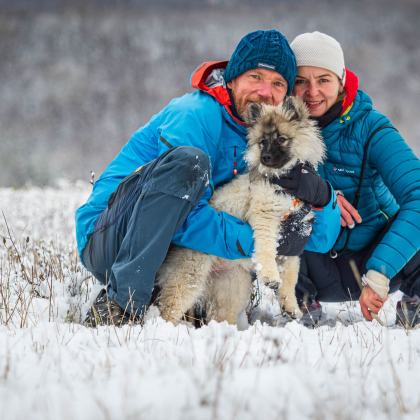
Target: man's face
[257,85]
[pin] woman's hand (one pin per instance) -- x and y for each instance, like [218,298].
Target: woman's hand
[348,213]
[370,300]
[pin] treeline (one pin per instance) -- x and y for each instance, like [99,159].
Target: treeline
[77,80]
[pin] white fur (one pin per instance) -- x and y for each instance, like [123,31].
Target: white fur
[223,286]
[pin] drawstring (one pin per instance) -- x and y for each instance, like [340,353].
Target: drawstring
[235,172]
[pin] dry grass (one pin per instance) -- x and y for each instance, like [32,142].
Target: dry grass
[345,369]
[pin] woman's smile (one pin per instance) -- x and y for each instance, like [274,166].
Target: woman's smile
[318,88]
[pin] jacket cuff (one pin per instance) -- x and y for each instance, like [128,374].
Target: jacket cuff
[378,282]
[245,242]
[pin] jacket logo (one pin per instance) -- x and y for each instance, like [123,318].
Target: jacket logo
[347,171]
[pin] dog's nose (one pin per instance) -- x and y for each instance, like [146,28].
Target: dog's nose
[267,157]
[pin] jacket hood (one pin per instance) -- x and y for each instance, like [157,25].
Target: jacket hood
[350,87]
[208,77]
[355,104]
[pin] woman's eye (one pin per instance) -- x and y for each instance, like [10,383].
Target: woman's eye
[279,84]
[324,80]
[299,82]
[255,76]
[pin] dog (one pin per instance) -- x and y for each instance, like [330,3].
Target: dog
[278,138]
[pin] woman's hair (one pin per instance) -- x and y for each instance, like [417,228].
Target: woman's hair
[341,94]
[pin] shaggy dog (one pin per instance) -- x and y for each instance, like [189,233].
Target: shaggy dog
[278,138]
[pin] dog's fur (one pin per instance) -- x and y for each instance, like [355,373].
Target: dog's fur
[278,137]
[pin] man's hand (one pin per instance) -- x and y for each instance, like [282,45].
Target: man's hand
[295,234]
[370,300]
[348,213]
[303,182]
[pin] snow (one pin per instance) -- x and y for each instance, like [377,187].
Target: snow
[52,367]
[258,267]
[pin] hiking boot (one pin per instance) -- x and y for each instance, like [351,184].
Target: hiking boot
[105,311]
[408,313]
[311,314]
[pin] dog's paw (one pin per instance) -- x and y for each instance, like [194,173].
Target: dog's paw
[268,274]
[290,308]
[272,284]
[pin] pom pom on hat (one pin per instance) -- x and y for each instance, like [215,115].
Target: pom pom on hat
[319,50]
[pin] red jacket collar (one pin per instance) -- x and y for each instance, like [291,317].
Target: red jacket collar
[350,87]
[198,81]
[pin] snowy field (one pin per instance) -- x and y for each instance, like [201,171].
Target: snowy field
[51,367]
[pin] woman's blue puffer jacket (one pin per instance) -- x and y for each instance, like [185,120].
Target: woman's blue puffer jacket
[391,181]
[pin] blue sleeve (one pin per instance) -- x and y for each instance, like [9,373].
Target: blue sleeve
[326,227]
[399,168]
[235,237]
[198,123]
[217,234]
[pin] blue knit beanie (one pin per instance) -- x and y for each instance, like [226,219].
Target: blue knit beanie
[265,49]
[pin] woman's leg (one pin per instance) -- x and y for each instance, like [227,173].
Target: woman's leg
[332,280]
[320,278]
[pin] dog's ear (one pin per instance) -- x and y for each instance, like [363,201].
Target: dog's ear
[292,109]
[254,113]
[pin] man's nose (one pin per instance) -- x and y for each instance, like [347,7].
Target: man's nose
[265,90]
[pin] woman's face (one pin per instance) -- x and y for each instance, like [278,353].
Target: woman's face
[318,88]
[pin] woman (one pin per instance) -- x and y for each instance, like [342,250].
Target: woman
[383,235]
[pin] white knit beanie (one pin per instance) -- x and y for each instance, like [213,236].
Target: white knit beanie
[319,50]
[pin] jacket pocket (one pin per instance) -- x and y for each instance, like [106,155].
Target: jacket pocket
[122,200]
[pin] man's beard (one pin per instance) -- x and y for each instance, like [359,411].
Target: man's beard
[241,105]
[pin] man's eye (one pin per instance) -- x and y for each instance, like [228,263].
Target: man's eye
[324,80]
[279,84]
[299,81]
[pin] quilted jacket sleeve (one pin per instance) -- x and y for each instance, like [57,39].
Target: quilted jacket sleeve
[400,170]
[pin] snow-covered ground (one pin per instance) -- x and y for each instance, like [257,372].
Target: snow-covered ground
[51,367]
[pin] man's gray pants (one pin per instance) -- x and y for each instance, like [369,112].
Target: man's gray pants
[132,235]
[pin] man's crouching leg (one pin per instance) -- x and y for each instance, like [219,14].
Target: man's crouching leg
[132,236]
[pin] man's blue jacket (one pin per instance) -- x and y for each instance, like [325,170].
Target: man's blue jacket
[391,180]
[202,119]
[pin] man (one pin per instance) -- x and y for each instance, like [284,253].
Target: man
[165,175]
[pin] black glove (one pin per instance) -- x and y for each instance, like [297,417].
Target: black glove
[303,182]
[295,233]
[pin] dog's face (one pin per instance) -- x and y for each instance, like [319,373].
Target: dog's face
[274,147]
[280,136]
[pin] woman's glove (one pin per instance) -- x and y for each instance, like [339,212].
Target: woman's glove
[303,182]
[295,234]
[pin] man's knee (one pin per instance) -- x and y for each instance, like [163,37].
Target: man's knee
[185,172]
[193,159]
